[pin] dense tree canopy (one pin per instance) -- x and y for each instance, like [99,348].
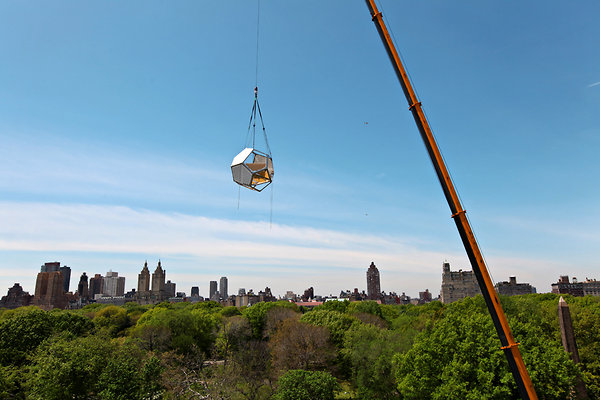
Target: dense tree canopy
[277,351]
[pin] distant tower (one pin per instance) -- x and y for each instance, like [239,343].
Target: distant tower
[223,288]
[144,280]
[308,295]
[66,273]
[114,285]
[50,267]
[373,284]
[96,286]
[158,280]
[212,290]
[82,287]
[195,291]
[49,289]
[55,267]
[170,288]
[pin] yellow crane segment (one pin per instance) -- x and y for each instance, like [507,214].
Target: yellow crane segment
[509,345]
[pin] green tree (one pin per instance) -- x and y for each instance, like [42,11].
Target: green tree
[458,356]
[257,315]
[367,307]
[127,376]
[188,327]
[68,321]
[151,378]
[370,350]
[112,318]
[339,306]
[230,311]
[120,378]
[68,369]
[585,313]
[306,385]
[21,332]
[337,322]
[11,383]
[234,334]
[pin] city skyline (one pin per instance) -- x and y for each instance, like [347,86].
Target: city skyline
[119,122]
[216,286]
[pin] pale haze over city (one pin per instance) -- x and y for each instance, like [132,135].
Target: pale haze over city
[119,122]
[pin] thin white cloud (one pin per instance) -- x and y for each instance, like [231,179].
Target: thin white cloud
[248,252]
[93,228]
[213,243]
[593,84]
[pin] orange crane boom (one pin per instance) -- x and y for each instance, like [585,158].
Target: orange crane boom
[509,345]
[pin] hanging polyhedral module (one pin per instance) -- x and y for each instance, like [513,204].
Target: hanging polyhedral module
[253,168]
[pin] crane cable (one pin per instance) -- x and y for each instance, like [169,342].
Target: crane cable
[251,133]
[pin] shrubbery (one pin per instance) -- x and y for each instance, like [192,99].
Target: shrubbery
[274,351]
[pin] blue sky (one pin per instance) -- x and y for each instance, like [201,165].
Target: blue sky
[119,120]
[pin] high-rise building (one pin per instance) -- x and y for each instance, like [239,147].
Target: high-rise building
[96,286]
[195,292]
[159,289]
[158,280]
[66,273]
[373,283]
[308,294]
[223,288]
[457,285]
[82,288]
[425,297]
[212,290]
[170,289]
[55,267]
[50,267]
[49,291]
[114,285]
[144,280]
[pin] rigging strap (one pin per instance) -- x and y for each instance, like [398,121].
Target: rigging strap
[252,124]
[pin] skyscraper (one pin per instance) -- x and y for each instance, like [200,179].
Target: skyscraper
[114,285]
[373,284]
[66,273]
[212,290]
[82,287]
[50,267]
[223,288]
[55,267]
[49,285]
[170,288]
[158,280]
[96,286]
[144,280]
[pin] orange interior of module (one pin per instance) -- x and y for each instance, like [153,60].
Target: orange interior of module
[260,176]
